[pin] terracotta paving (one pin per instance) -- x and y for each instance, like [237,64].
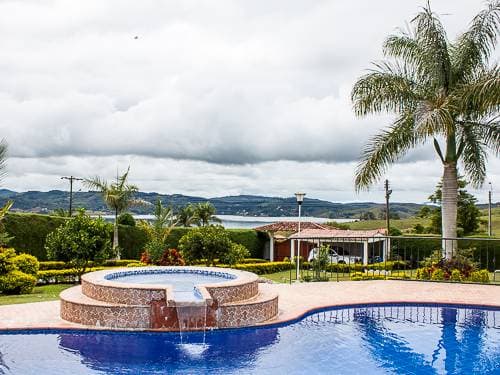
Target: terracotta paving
[295,300]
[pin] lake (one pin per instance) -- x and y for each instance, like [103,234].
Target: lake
[248,222]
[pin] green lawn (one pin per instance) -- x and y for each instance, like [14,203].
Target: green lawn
[40,294]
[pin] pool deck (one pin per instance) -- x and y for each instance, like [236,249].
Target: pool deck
[294,300]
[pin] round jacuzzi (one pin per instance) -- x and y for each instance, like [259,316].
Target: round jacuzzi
[184,282]
[158,297]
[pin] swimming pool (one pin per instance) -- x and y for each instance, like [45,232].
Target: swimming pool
[386,339]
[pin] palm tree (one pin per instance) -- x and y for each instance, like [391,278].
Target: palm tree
[4,237]
[439,91]
[186,216]
[118,196]
[205,213]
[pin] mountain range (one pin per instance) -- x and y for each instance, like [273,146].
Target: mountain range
[245,205]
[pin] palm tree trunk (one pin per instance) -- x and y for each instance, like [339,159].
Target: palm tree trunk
[449,209]
[115,237]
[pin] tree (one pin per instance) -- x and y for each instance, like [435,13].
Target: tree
[205,213]
[424,212]
[439,91]
[79,241]
[118,196]
[4,237]
[468,215]
[206,243]
[126,219]
[367,215]
[158,230]
[186,216]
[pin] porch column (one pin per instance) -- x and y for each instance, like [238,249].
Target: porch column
[271,247]
[365,252]
[292,249]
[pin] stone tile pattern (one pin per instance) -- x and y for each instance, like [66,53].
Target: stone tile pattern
[233,293]
[190,318]
[122,295]
[247,314]
[106,316]
[235,303]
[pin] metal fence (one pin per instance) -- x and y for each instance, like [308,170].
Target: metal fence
[396,257]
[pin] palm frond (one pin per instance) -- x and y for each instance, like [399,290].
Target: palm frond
[481,97]
[388,89]
[3,158]
[433,118]
[474,47]
[431,37]
[384,149]
[473,154]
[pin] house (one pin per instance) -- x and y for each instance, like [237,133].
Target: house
[284,239]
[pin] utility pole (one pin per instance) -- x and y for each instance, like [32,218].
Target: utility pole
[489,209]
[71,179]
[388,193]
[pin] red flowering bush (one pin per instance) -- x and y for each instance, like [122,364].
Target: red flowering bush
[145,258]
[171,257]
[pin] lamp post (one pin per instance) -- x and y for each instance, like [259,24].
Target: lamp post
[388,193]
[489,209]
[300,199]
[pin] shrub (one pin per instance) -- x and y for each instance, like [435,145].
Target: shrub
[137,264]
[171,257]
[145,258]
[423,273]
[126,219]
[17,282]
[437,274]
[265,268]
[481,276]
[455,275]
[253,260]
[235,255]
[80,241]
[398,275]
[53,265]
[208,242]
[7,264]
[70,275]
[27,263]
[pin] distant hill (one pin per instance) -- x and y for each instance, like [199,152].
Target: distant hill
[246,205]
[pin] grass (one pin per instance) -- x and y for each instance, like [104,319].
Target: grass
[284,276]
[401,224]
[40,294]
[495,221]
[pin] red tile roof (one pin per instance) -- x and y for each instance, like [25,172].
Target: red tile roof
[337,233]
[290,226]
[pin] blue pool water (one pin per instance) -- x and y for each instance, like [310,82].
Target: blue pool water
[362,340]
[183,283]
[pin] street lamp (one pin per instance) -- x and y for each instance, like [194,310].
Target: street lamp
[300,199]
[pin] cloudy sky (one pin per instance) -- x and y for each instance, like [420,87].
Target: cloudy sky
[212,98]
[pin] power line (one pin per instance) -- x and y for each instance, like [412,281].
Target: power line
[71,179]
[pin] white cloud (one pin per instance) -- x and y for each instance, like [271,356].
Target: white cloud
[213,98]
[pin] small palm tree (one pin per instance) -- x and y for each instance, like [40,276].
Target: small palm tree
[186,216]
[4,237]
[118,196]
[439,91]
[205,213]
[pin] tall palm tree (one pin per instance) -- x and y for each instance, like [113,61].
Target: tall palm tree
[440,91]
[205,213]
[118,196]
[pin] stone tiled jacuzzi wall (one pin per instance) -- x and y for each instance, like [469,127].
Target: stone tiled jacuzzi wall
[101,301]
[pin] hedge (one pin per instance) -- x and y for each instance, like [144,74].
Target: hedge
[69,275]
[29,232]
[265,268]
[53,265]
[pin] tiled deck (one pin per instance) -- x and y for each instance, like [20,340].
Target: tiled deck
[295,300]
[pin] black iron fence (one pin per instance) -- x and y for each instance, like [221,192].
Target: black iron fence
[397,257]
